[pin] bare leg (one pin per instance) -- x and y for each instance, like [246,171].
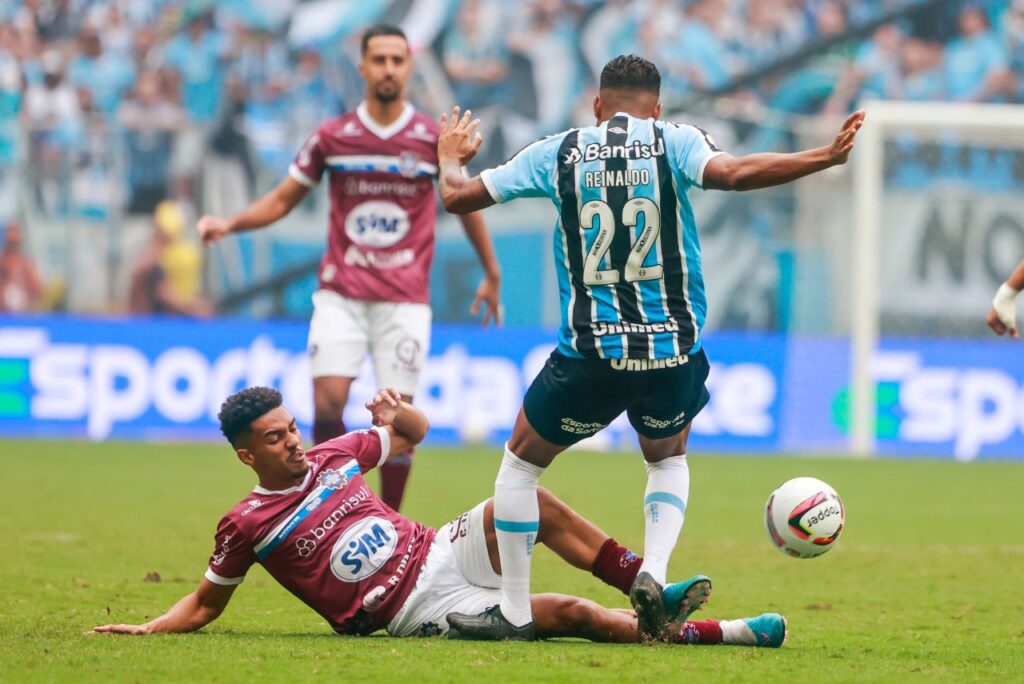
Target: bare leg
[560,615]
[330,394]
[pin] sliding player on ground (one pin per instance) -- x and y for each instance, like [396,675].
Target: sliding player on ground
[316,527]
[629,271]
[374,294]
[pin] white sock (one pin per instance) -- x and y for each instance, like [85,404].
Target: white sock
[516,521]
[737,633]
[668,488]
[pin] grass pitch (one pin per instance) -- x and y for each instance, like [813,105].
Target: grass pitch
[927,581]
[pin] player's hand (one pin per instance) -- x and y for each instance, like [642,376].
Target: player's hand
[211,229]
[489,294]
[384,406]
[121,629]
[839,151]
[459,138]
[1002,317]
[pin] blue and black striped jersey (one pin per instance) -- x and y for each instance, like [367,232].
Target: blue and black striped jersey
[626,246]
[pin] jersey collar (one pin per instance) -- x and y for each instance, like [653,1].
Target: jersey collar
[384,132]
[276,492]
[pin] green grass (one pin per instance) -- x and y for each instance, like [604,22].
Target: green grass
[926,583]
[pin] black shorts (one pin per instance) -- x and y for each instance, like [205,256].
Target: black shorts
[572,399]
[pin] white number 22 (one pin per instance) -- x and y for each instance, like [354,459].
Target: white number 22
[635,269]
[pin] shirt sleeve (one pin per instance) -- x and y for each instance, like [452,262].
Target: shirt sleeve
[690,149]
[370,448]
[232,555]
[308,165]
[530,173]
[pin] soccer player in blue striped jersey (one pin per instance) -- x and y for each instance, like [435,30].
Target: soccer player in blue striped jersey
[632,290]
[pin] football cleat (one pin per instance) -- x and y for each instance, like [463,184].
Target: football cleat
[649,603]
[682,599]
[769,629]
[490,625]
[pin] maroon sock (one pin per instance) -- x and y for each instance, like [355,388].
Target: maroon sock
[325,429]
[704,633]
[616,565]
[394,475]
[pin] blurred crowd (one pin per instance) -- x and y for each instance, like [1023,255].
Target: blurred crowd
[110,107]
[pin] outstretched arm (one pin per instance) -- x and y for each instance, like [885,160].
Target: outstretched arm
[1002,317]
[406,424]
[754,171]
[457,144]
[490,287]
[266,210]
[190,613]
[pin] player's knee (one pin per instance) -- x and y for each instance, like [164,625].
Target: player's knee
[576,613]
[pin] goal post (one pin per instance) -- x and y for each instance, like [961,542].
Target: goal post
[970,155]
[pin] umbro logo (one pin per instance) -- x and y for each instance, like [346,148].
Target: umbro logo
[349,130]
[420,132]
[616,129]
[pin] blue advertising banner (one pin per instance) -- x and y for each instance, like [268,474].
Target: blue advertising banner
[166,378]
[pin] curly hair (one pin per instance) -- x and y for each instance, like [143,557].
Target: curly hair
[240,409]
[631,72]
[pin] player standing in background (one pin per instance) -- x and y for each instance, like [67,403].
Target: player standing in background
[1002,317]
[374,292]
[629,270]
[320,532]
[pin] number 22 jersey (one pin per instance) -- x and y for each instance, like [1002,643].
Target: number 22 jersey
[626,248]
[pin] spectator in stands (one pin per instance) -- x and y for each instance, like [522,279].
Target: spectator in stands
[166,276]
[52,116]
[199,56]
[697,58]
[920,74]
[150,122]
[475,55]
[20,285]
[976,64]
[313,97]
[106,75]
[1012,26]
[873,71]
[263,72]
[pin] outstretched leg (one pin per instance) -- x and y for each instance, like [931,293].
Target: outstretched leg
[560,615]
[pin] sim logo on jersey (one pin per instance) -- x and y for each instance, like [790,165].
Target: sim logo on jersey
[363,549]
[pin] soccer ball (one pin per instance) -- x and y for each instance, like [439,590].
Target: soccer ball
[804,517]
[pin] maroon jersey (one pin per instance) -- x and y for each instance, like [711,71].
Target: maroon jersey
[381,238]
[330,540]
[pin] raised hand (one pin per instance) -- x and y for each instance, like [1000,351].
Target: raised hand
[384,406]
[841,146]
[459,138]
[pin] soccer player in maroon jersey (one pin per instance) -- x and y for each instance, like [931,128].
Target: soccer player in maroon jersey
[316,527]
[373,294]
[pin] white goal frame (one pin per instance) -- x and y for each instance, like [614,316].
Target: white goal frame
[883,117]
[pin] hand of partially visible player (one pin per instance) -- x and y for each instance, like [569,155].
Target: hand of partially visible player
[211,229]
[1002,317]
[839,150]
[121,629]
[384,406]
[489,294]
[459,139]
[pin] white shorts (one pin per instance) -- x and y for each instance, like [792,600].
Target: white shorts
[457,577]
[342,332]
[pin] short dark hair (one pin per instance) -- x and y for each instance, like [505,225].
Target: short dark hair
[238,411]
[631,72]
[380,30]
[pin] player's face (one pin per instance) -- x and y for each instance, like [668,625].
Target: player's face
[386,67]
[274,448]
